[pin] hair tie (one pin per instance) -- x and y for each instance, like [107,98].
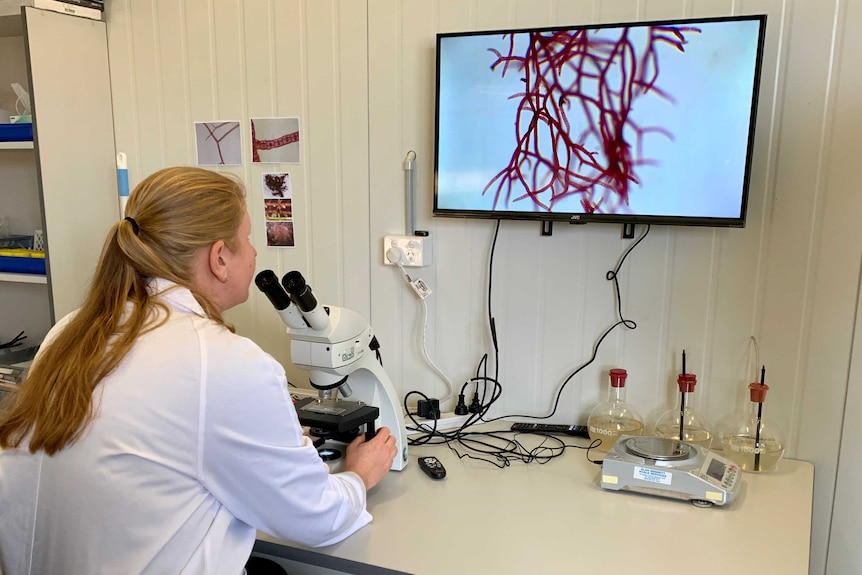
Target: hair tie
[135,227]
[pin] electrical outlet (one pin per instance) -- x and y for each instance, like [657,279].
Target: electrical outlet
[416,249]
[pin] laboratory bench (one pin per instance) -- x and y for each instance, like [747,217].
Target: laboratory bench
[556,518]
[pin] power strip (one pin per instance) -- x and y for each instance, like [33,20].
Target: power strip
[447,420]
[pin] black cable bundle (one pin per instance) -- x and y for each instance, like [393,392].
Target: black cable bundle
[499,447]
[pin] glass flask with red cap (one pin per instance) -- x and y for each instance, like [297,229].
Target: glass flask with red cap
[748,437]
[684,421]
[614,417]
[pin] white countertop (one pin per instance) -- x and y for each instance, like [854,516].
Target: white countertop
[555,518]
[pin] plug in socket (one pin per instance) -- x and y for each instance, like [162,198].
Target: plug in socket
[417,250]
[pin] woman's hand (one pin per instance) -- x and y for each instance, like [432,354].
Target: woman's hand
[371,459]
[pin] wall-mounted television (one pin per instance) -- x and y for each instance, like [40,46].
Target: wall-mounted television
[642,122]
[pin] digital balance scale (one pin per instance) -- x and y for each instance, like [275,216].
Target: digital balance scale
[670,468]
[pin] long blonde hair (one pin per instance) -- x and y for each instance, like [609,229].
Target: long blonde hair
[174,213]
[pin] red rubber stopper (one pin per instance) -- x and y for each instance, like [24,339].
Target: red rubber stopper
[618,377]
[686,382]
[758,392]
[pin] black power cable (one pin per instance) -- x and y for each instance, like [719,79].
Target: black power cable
[493,446]
[612,275]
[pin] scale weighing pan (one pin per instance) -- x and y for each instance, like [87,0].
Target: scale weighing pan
[670,468]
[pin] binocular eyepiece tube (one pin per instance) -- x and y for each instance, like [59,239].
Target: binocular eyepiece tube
[305,312]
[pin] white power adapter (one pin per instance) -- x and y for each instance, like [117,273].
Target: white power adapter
[396,256]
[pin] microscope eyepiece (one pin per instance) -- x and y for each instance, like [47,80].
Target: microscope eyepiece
[294,282]
[317,317]
[299,291]
[267,282]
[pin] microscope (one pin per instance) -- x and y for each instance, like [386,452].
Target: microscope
[335,344]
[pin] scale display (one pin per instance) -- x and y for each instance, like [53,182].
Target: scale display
[670,468]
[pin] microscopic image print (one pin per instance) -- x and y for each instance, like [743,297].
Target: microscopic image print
[218,143]
[597,120]
[278,209]
[275,140]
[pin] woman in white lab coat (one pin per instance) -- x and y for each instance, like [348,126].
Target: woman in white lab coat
[149,437]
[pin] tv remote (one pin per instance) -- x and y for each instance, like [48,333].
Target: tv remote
[432,467]
[551,429]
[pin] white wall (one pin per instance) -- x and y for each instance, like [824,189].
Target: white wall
[360,75]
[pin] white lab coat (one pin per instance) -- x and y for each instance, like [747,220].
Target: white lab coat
[195,446]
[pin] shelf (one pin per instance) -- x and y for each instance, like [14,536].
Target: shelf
[16,145]
[23,278]
[10,21]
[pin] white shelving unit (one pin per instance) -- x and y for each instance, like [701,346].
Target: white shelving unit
[23,278]
[64,181]
[16,145]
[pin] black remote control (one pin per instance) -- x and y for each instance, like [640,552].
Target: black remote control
[551,429]
[432,467]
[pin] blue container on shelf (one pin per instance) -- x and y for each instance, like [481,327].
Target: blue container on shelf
[16,132]
[16,265]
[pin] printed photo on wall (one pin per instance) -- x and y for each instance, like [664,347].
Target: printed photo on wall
[278,209]
[218,143]
[275,140]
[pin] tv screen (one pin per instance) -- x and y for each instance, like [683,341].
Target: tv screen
[644,122]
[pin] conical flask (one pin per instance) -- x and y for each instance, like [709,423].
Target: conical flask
[684,422]
[614,417]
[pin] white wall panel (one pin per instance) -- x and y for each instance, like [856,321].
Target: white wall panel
[711,7]
[576,12]
[352,146]
[323,196]
[619,11]
[389,297]
[172,105]
[834,271]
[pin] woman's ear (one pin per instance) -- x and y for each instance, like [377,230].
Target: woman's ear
[218,261]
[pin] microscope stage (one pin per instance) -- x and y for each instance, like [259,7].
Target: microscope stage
[352,416]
